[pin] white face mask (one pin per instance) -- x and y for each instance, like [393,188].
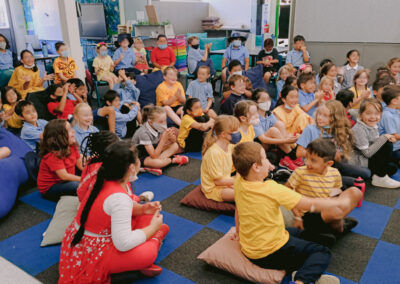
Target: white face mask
[29,66]
[133,178]
[237,73]
[3,45]
[265,106]
[159,127]
[237,43]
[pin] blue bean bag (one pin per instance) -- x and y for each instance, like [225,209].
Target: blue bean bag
[13,172]
[147,84]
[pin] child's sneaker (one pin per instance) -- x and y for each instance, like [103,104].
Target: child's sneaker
[146,196]
[348,224]
[385,182]
[153,171]
[287,163]
[281,175]
[161,234]
[324,279]
[298,162]
[180,160]
[151,271]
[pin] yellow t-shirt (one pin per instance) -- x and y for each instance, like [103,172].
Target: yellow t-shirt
[14,121]
[17,81]
[249,136]
[164,92]
[66,68]
[261,225]
[311,184]
[356,96]
[184,129]
[104,64]
[216,164]
[295,121]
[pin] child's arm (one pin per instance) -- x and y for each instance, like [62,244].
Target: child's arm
[248,93]
[228,182]
[264,138]
[79,163]
[235,236]
[209,104]
[223,62]
[364,95]
[65,176]
[226,94]
[155,153]
[246,63]
[306,58]
[60,107]
[301,152]
[78,98]
[318,97]
[62,77]
[202,126]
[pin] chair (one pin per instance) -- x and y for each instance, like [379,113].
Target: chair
[199,35]
[259,40]
[5,76]
[96,83]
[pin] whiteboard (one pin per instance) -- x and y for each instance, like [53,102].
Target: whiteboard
[348,20]
[46,19]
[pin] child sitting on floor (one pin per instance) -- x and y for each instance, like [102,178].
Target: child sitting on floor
[308,100]
[156,143]
[171,95]
[60,156]
[104,66]
[378,86]
[351,67]
[318,179]
[83,124]
[288,111]
[76,88]
[59,105]
[283,73]
[260,227]
[246,113]
[330,70]
[346,97]
[121,117]
[64,66]
[32,129]
[216,165]
[238,88]
[9,98]
[371,150]
[194,124]
[235,68]
[202,90]
[394,67]
[390,121]
[326,86]
[360,88]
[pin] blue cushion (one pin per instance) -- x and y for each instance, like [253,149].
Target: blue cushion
[13,171]
[199,35]
[259,40]
[256,76]
[147,84]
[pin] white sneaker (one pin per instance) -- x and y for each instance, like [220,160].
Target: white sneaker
[147,196]
[324,279]
[385,182]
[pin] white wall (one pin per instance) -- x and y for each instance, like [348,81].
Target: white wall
[233,13]
[18,21]
[46,20]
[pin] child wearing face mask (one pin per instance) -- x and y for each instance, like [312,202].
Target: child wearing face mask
[235,50]
[197,57]
[162,55]
[217,166]
[270,131]
[124,57]
[193,127]
[268,57]
[371,149]
[246,113]
[140,51]
[64,66]
[103,65]
[156,143]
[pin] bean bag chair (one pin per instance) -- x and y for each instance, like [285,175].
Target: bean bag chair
[256,76]
[40,100]
[197,199]
[147,84]
[13,172]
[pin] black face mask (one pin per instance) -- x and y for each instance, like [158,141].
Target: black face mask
[195,46]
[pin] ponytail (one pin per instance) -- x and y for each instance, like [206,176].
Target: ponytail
[85,212]
[208,141]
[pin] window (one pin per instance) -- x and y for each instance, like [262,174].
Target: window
[4,24]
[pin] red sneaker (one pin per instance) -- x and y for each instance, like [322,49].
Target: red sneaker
[153,171]
[298,162]
[162,233]
[151,271]
[180,160]
[287,163]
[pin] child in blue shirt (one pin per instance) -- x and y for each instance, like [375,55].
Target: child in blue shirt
[307,99]
[237,51]
[83,124]
[299,54]
[77,87]
[238,87]
[283,73]
[33,127]
[123,114]
[390,120]
[124,57]
[202,90]
[197,57]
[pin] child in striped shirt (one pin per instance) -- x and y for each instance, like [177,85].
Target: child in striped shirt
[319,179]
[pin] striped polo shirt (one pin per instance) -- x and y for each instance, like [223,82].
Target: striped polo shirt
[311,184]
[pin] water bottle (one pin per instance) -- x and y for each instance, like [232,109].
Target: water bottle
[45,50]
[360,184]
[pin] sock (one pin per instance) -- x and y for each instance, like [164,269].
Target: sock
[292,154]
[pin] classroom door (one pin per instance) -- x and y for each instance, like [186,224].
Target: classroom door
[6,25]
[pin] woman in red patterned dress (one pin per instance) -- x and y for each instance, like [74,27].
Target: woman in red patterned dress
[112,234]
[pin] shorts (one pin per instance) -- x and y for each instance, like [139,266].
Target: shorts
[214,194]
[314,223]
[175,108]
[142,153]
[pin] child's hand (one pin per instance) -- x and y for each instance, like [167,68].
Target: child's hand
[26,78]
[304,48]
[157,220]
[121,56]
[293,139]
[48,77]
[65,88]
[151,207]
[391,138]
[298,224]
[178,93]
[366,94]
[319,95]
[234,237]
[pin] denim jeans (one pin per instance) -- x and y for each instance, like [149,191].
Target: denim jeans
[63,188]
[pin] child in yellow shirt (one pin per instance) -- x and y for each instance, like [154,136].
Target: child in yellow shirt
[193,126]
[246,112]
[216,165]
[10,97]
[171,95]
[103,65]
[64,66]
[259,221]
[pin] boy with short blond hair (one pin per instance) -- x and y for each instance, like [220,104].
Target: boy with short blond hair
[259,221]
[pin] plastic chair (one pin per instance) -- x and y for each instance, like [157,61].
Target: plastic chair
[5,76]
[96,83]
[259,40]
